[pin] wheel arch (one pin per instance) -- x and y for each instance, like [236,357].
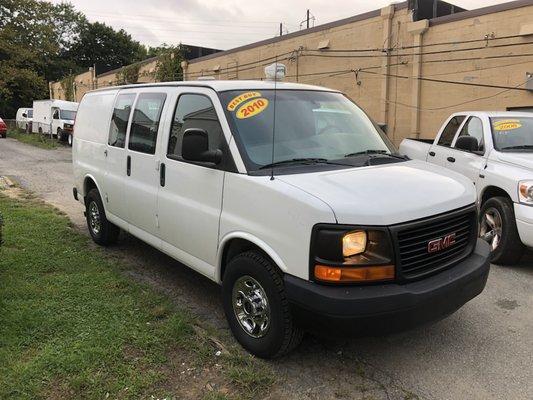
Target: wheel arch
[238,242]
[89,183]
[493,191]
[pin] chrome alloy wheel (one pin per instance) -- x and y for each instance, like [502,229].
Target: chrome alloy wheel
[94,218]
[250,305]
[490,229]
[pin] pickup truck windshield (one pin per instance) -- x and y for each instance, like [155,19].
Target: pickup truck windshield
[309,125]
[513,134]
[68,115]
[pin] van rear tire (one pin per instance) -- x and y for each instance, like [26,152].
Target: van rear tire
[253,279]
[102,231]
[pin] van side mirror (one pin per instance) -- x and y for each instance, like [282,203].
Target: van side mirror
[195,147]
[467,143]
[24,115]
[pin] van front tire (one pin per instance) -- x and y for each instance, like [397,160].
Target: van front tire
[102,231]
[256,307]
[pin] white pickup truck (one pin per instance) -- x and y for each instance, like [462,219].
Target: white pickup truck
[494,150]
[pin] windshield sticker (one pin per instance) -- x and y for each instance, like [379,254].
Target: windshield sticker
[252,108]
[507,125]
[237,101]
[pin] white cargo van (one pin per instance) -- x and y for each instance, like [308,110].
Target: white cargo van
[288,196]
[54,117]
[24,118]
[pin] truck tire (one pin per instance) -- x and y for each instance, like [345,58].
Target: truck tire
[256,307]
[102,231]
[59,135]
[497,226]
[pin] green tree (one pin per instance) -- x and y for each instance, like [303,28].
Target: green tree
[107,49]
[168,66]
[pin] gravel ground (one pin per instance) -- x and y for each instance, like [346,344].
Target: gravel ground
[483,351]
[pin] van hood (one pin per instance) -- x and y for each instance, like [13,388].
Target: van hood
[523,160]
[387,194]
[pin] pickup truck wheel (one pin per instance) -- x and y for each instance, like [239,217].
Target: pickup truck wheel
[256,307]
[102,231]
[497,227]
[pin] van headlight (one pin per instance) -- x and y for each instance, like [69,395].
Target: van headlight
[343,254]
[525,192]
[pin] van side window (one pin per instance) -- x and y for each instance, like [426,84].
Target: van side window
[145,124]
[193,111]
[446,138]
[119,120]
[474,128]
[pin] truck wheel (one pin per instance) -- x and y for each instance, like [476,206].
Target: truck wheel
[256,307]
[102,231]
[69,140]
[59,135]
[497,226]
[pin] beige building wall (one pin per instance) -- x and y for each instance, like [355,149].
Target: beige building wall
[385,83]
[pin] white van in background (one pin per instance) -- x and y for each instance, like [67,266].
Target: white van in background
[24,118]
[54,117]
[322,225]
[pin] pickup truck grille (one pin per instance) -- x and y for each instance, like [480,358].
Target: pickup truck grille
[430,245]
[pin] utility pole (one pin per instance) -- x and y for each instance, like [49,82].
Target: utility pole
[281,28]
[307,18]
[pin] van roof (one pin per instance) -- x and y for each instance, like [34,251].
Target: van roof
[221,85]
[497,114]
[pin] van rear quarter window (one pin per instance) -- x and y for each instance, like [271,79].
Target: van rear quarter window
[145,124]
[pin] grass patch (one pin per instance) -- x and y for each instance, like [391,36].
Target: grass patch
[34,139]
[73,326]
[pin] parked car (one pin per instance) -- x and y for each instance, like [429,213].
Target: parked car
[3,129]
[495,151]
[314,225]
[24,118]
[54,117]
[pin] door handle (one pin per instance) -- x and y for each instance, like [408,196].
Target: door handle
[451,159]
[105,152]
[128,166]
[432,153]
[162,170]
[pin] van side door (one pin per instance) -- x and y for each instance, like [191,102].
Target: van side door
[142,163]
[439,152]
[190,194]
[115,171]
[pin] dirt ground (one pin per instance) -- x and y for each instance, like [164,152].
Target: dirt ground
[483,351]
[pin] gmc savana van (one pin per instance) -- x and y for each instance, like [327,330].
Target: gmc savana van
[287,195]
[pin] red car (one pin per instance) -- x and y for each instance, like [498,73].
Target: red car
[3,128]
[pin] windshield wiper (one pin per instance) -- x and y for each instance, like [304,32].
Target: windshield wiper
[378,152]
[309,160]
[520,147]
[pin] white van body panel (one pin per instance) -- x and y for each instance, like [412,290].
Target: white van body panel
[276,213]
[371,195]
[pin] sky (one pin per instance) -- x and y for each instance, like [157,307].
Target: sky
[224,24]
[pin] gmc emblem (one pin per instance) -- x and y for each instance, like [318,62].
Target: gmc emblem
[441,243]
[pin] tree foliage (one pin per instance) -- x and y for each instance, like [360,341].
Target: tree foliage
[41,42]
[168,66]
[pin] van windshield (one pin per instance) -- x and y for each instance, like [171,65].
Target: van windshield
[29,114]
[513,134]
[308,125]
[67,114]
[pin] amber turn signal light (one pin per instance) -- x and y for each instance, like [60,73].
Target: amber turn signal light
[347,275]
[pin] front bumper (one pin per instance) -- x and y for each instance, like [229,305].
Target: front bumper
[524,223]
[389,307]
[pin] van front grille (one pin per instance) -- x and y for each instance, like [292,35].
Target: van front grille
[433,244]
